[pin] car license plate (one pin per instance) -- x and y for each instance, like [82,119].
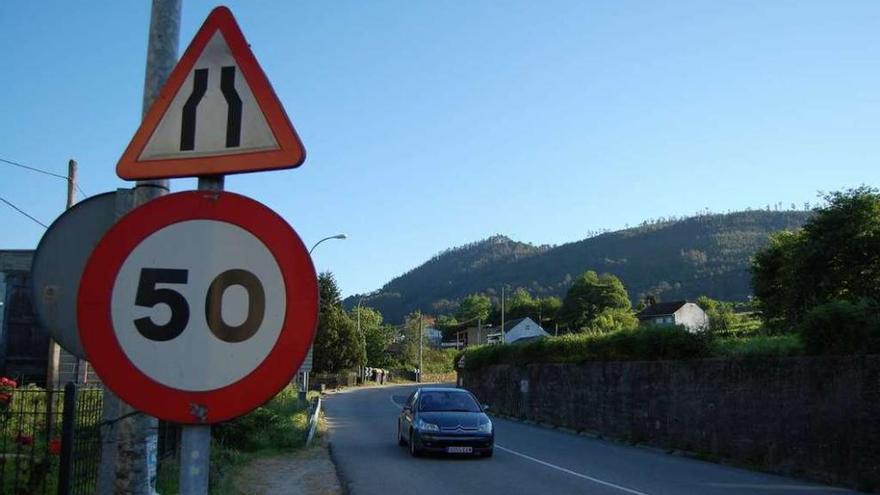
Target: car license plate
[459,450]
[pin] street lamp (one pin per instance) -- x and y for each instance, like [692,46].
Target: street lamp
[337,236]
[305,374]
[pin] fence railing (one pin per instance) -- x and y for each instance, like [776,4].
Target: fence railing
[50,440]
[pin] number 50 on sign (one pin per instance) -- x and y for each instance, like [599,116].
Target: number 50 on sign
[198,307]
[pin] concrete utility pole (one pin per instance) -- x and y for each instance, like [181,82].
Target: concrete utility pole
[53,372]
[56,357]
[421,322]
[129,445]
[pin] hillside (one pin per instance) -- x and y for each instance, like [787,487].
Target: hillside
[682,259]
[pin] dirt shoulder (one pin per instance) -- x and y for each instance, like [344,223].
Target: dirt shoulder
[308,471]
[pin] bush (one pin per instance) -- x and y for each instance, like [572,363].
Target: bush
[279,424]
[759,346]
[842,327]
[644,343]
[612,320]
[438,360]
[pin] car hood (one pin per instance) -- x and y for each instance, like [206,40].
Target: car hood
[452,419]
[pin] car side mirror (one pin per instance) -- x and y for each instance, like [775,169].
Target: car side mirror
[485,407]
[407,409]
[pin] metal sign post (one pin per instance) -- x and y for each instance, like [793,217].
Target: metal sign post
[218,355]
[195,440]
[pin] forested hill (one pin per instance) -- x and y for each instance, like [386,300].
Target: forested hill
[682,259]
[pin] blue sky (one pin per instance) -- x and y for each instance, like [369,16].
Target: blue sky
[433,124]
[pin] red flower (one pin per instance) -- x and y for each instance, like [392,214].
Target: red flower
[24,439]
[6,382]
[5,398]
[55,446]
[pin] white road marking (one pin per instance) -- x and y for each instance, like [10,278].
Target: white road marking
[765,486]
[569,471]
[391,398]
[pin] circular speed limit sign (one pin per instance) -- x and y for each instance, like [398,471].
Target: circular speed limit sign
[198,307]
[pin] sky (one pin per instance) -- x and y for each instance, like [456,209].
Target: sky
[434,124]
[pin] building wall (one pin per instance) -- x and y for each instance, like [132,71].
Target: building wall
[692,316]
[810,417]
[24,346]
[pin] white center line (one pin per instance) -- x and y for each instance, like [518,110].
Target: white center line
[573,473]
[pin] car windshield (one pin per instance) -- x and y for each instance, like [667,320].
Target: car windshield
[448,401]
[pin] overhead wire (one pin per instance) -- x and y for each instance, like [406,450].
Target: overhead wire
[45,172]
[24,213]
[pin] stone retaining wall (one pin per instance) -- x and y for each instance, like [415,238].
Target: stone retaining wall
[810,417]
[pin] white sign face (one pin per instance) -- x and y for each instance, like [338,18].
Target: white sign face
[198,305]
[213,113]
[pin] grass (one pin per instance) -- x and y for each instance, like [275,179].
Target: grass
[277,427]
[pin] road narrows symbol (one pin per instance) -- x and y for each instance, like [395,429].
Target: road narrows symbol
[233,117]
[188,126]
[233,112]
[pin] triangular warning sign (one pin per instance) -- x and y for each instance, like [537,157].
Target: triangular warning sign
[216,114]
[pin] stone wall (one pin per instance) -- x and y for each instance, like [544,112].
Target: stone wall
[809,417]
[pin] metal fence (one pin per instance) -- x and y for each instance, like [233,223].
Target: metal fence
[50,440]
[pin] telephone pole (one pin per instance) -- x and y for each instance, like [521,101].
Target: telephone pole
[128,455]
[53,378]
[421,322]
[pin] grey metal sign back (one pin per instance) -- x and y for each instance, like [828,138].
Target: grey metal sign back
[61,258]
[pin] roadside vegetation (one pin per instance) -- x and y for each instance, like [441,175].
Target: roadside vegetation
[348,340]
[817,292]
[277,427]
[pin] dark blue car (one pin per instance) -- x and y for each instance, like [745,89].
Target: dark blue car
[445,420]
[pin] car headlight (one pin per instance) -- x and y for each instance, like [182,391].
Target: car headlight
[421,425]
[486,427]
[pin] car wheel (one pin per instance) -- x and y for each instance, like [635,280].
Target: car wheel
[413,450]
[400,440]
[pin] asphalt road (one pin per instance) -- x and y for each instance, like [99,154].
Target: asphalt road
[528,459]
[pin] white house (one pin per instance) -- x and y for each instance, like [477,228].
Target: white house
[518,329]
[682,313]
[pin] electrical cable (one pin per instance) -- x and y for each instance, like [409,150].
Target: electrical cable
[24,213]
[45,172]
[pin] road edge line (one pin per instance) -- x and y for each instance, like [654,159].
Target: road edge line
[569,471]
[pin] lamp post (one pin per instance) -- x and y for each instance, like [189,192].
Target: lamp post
[305,373]
[337,236]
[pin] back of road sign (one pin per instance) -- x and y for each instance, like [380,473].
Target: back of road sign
[216,114]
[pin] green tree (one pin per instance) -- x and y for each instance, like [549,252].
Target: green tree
[836,256]
[774,272]
[841,254]
[722,317]
[474,307]
[377,338]
[329,290]
[445,322]
[521,304]
[589,296]
[338,345]
[378,341]
[409,348]
[612,320]
[548,310]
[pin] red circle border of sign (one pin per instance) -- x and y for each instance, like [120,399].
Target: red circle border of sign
[145,394]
